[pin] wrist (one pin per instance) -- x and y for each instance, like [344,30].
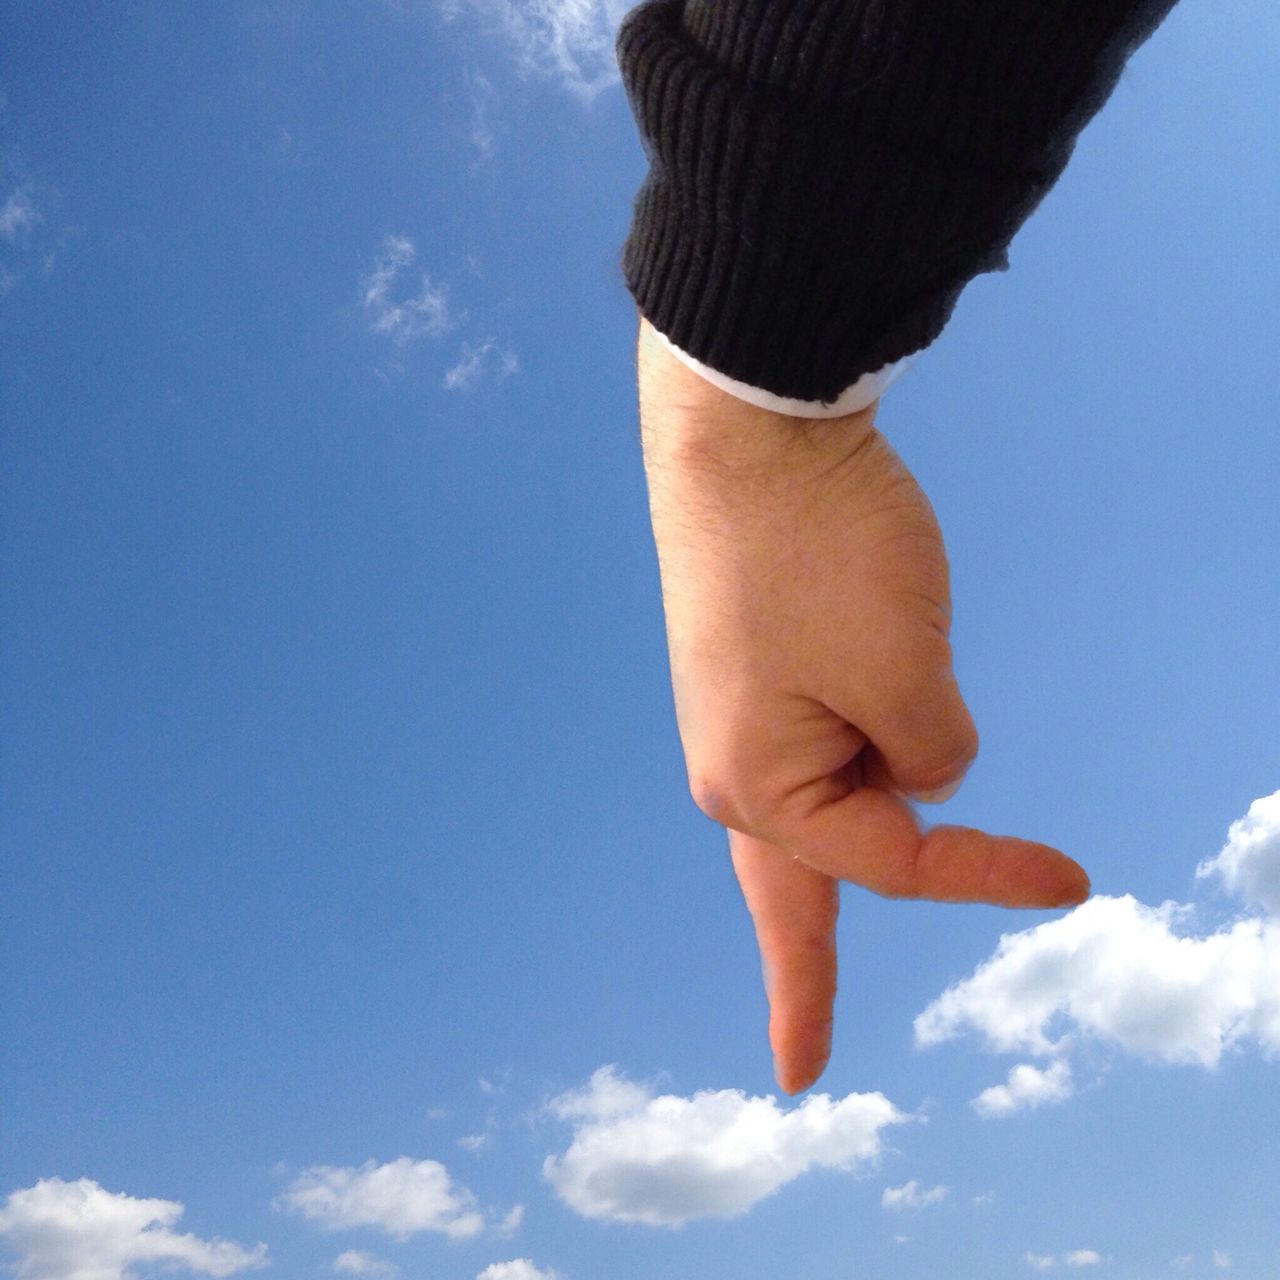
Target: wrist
[691,425]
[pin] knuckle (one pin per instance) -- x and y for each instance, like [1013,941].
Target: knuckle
[731,793]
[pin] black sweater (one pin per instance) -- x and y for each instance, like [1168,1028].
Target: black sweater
[827,175]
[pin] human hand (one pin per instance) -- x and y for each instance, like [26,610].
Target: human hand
[805,590]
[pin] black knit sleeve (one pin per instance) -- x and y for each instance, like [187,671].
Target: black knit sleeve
[827,175]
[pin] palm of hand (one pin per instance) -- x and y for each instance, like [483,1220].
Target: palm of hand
[805,592]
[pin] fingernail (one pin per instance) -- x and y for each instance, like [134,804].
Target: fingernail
[939,795]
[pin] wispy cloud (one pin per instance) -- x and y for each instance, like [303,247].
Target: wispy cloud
[80,1231]
[1138,977]
[1082,1258]
[1072,1258]
[18,214]
[402,1197]
[1026,1088]
[483,97]
[516,1269]
[477,361]
[354,1262]
[666,1160]
[568,41]
[911,1195]
[1221,1259]
[404,315]
[406,306]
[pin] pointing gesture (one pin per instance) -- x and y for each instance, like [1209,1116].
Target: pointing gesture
[807,607]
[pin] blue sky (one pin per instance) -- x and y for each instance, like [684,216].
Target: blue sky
[355,918]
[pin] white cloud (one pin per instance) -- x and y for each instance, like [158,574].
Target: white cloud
[569,41]
[474,361]
[354,1262]
[1249,863]
[423,313]
[483,96]
[80,1231]
[511,1221]
[1221,1259]
[1139,977]
[406,311]
[665,1160]
[1073,1258]
[987,1197]
[401,1197]
[473,1141]
[1026,1088]
[1183,1260]
[605,1096]
[1119,971]
[911,1195]
[516,1269]
[18,214]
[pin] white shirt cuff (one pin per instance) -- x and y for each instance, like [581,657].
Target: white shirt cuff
[868,388]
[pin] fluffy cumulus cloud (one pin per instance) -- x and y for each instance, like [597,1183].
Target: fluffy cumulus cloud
[80,1231]
[401,1197]
[516,1269]
[664,1160]
[1249,863]
[1117,970]
[1026,1088]
[911,1195]
[1139,977]
[355,1262]
[404,314]
[569,41]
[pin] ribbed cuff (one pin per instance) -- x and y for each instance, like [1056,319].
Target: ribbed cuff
[825,180]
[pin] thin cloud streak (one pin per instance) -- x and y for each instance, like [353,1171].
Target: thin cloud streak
[475,362]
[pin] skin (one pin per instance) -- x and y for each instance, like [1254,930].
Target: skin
[807,605]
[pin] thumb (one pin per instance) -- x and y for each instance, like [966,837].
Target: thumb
[918,723]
